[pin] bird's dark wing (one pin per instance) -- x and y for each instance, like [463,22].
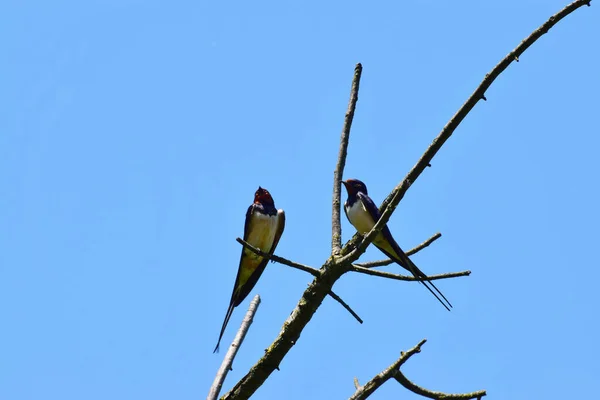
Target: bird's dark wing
[280,228]
[369,206]
[386,243]
[346,212]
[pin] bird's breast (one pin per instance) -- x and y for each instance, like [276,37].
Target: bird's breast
[262,230]
[360,217]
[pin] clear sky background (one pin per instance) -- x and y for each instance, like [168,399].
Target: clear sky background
[133,135]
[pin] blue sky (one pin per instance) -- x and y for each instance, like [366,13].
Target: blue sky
[133,135]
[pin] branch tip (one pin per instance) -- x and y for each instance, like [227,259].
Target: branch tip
[336,227]
[404,381]
[346,306]
[399,277]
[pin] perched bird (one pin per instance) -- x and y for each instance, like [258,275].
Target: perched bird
[364,214]
[263,228]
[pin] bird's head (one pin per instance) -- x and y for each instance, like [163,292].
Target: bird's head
[262,196]
[353,186]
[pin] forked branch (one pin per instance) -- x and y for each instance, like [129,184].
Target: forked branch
[368,388]
[393,371]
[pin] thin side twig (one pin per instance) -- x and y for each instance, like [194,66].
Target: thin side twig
[280,260]
[313,271]
[403,380]
[225,367]
[416,249]
[368,388]
[336,227]
[346,306]
[398,277]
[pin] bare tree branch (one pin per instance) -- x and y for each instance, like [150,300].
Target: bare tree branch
[393,371]
[305,268]
[335,267]
[346,306]
[233,349]
[383,263]
[403,380]
[368,388]
[336,227]
[398,277]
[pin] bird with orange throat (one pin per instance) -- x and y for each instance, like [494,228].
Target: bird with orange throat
[263,228]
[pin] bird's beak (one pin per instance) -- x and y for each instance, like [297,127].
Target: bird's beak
[345,184]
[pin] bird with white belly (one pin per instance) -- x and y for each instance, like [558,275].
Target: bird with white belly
[363,214]
[262,229]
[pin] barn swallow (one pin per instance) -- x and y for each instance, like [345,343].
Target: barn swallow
[263,228]
[363,214]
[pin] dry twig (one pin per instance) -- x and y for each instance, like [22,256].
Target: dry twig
[233,349]
[383,263]
[368,388]
[280,260]
[403,380]
[336,227]
[398,277]
[393,371]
